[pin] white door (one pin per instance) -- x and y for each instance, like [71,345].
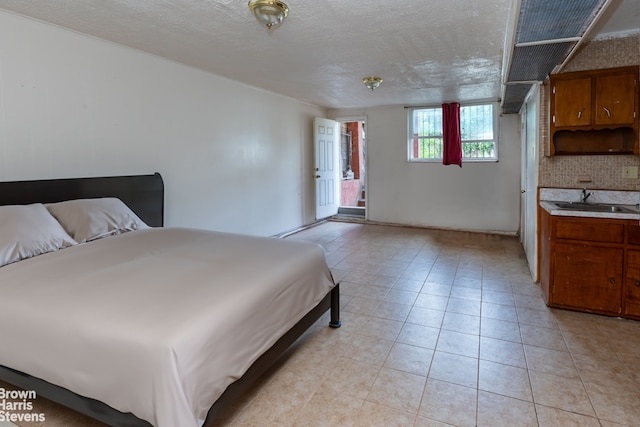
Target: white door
[327,167]
[530,117]
[523,175]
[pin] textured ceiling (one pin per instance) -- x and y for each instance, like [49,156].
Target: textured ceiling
[427,51]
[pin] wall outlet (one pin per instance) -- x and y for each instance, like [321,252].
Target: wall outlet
[630,172]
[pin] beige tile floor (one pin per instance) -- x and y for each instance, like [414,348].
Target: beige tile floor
[440,328]
[446,328]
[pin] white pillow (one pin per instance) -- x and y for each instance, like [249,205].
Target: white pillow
[27,231]
[90,219]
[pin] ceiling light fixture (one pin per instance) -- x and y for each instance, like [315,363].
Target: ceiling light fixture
[269,12]
[372,82]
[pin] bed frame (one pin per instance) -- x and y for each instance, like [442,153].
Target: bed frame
[144,194]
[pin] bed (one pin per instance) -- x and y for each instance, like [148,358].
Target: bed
[149,325]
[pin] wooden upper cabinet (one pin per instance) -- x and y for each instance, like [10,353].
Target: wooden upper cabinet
[595,112]
[615,100]
[572,102]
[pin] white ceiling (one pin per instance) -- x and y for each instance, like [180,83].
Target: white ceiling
[427,51]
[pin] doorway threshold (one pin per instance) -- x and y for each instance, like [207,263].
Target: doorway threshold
[352,210]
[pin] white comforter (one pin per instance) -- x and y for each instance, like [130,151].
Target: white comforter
[156,322]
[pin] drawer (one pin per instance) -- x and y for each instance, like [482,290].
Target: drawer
[590,230]
[633,234]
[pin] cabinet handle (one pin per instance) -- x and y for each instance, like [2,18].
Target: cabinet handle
[638,283]
[580,113]
[612,281]
[606,110]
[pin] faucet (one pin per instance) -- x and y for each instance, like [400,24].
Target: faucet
[584,196]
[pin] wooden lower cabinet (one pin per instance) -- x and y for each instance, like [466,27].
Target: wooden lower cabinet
[588,277]
[632,285]
[591,264]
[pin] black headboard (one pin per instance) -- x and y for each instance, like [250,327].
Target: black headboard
[144,194]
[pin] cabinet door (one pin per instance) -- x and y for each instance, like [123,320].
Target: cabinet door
[632,285]
[572,102]
[588,277]
[615,99]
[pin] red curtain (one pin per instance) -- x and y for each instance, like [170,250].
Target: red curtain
[451,140]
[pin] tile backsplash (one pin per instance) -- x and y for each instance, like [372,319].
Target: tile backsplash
[604,171]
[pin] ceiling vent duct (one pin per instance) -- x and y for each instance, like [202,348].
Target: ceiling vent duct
[547,34]
[514,96]
[533,63]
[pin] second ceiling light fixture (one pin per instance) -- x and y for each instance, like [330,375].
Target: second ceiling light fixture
[269,12]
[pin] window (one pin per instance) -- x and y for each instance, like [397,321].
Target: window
[477,127]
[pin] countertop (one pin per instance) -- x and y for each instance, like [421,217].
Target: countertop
[629,199]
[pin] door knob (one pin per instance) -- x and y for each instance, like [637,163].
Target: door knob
[316,176]
[522,190]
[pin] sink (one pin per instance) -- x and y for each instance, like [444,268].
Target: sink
[594,207]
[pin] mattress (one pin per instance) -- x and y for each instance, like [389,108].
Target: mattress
[156,322]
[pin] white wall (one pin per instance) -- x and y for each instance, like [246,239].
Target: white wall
[478,196]
[233,158]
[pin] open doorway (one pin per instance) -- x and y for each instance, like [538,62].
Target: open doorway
[353,192]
